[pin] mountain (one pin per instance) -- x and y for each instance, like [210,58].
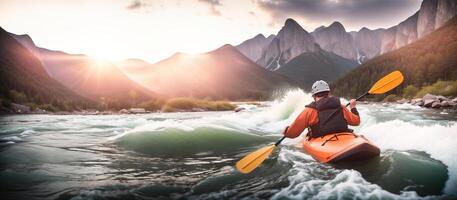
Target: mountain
[431,15]
[254,47]
[24,79]
[367,43]
[334,38]
[400,35]
[363,45]
[291,41]
[445,10]
[224,73]
[97,80]
[295,53]
[423,62]
[309,67]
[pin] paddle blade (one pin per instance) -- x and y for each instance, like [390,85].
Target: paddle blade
[254,159]
[387,83]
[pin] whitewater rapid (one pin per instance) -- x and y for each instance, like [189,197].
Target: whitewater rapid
[192,155]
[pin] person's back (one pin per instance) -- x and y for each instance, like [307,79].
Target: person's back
[324,116]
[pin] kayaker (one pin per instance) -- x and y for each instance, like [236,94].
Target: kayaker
[325,115]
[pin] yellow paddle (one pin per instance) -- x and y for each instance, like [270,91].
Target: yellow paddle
[254,159]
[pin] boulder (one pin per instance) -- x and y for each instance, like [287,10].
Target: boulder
[124,111]
[429,102]
[429,96]
[39,111]
[436,104]
[238,109]
[454,100]
[443,98]
[403,101]
[417,102]
[444,104]
[19,108]
[137,110]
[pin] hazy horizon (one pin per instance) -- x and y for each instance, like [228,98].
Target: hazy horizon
[154,30]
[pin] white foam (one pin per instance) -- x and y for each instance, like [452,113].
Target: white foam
[408,131]
[437,140]
[309,179]
[13,139]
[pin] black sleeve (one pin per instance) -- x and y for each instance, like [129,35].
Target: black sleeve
[354,111]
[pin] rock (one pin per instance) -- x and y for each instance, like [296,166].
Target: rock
[417,102]
[19,108]
[429,102]
[436,104]
[124,111]
[444,104]
[452,104]
[238,109]
[403,101]
[39,111]
[197,110]
[454,100]
[137,110]
[429,96]
[442,98]
[420,103]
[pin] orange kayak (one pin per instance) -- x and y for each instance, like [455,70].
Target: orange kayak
[340,147]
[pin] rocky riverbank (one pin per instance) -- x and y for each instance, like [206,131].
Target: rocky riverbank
[433,101]
[24,109]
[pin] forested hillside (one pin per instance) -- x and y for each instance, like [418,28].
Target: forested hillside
[423,63]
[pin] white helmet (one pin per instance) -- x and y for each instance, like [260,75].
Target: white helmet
[319,86]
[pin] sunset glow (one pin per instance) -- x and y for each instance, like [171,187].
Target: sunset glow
[151,30]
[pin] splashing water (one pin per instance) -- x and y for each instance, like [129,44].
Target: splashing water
[191,155]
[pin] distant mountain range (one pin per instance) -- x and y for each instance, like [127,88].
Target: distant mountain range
[292,39]
[24,79]
[223,73]
[90,78]
[251,70]
[294,53]
[423,62]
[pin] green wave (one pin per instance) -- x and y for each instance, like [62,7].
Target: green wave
[174,141]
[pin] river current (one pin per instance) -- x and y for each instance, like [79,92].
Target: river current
[192,155]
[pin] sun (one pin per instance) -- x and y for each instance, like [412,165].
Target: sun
[99,61]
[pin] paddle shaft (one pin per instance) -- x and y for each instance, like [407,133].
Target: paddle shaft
[358,98]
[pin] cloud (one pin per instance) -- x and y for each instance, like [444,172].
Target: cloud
[352,13]
[212,6]
[134,5]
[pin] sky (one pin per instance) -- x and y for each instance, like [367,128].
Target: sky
[153,30]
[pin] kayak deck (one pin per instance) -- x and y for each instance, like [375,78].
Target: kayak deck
[340,147]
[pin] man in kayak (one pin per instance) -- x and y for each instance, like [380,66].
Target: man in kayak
[325,115]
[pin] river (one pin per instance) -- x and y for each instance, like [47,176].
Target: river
[192,155]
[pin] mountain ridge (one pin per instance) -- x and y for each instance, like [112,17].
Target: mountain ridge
[223,73]
[422,62]
[25,80]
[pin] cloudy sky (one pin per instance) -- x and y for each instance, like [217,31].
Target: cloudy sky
[155,29]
